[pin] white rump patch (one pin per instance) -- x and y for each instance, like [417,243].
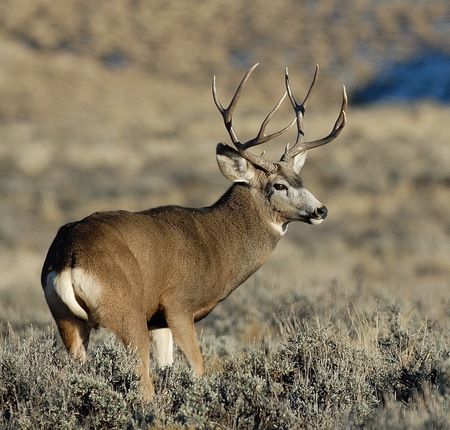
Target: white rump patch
[59,289]
[85,287]
[281,229]
[68,284]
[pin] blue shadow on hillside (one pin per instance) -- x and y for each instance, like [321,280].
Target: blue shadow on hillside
[424,77]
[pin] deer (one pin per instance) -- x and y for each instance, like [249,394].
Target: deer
[163,269]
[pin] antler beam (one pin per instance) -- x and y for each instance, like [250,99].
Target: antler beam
[261,137]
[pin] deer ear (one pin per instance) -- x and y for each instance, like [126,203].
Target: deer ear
[232,165]
[299,161]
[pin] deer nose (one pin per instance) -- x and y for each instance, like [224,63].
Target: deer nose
[321,212]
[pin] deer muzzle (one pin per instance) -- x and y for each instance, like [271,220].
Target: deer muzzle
[319,214]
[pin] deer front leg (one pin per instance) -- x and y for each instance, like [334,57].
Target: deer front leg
[163,347]
[183,331]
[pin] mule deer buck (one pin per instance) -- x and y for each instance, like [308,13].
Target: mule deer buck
[168,267]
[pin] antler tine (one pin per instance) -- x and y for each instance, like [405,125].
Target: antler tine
[261,137]
[301,146]
[337,128]
[300,108]
[227,113]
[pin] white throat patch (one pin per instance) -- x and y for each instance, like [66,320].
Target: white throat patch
[281,229]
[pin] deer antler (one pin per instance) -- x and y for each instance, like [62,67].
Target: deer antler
[261,137]
[300,145]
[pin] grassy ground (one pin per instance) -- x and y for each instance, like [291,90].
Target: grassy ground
[347,325]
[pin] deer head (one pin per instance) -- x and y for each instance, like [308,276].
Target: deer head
[278,183]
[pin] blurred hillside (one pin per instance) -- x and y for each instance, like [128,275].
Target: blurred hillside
[107,105]
[60,57]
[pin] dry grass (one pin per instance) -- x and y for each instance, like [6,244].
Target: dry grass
[79,135]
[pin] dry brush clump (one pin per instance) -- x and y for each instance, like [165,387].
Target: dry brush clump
[42,388]
[348,366]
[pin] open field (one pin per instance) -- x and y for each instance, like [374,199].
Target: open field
[347,325]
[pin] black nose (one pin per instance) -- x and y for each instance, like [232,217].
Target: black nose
[321,213]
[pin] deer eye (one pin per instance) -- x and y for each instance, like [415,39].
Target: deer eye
[280,187]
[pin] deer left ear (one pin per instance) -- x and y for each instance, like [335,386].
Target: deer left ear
[232,165]
[299,161]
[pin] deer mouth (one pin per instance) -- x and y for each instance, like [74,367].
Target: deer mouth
[309,219]
[316,217]
[315,221]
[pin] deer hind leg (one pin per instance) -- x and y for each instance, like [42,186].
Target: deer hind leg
[163,347]
[135,335]
[75,336]
[183,331]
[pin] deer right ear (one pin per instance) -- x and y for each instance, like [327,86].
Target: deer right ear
[232,165]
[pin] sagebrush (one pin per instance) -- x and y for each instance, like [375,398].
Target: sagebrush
[370,366]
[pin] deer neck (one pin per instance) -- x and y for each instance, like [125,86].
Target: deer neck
[243,209]
[244,230]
